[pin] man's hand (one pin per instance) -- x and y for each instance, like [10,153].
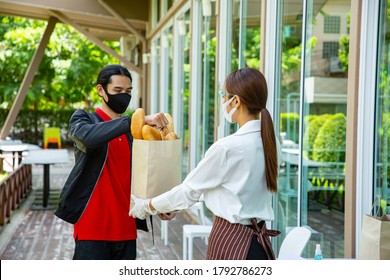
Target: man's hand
[139,208]
[159,120]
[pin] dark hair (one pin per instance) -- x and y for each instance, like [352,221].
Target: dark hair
[104,77]
[250,85]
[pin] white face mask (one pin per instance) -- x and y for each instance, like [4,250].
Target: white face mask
[228,116]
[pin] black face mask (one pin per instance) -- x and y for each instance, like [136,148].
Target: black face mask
[118,102]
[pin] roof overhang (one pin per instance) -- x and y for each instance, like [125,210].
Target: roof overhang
[90,14]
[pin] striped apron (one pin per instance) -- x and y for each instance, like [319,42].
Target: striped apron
[231,241]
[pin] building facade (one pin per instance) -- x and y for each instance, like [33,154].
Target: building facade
[326,66]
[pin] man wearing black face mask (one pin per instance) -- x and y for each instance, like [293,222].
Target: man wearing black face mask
[96,195]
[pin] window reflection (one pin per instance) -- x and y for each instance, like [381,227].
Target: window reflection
[325,123]
[155,58]
[184,77]
[207,98]
[323,116]
[382,118]
[288,104]
[245,34]
[167,55]
[245,38]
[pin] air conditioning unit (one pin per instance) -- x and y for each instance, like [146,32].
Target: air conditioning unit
[335,65]
[128,43]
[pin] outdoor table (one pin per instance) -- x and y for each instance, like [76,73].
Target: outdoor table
[291,158]
[9,142]
[18,148]
[46,157]
[288,192]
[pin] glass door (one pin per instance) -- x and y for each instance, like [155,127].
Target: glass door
[182,83]
[323,122]
[312,105]
[382,118]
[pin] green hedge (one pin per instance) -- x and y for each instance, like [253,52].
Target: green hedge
[29,124]
[324,138]
[314,125]
[383,143]
[329,144]
[289,123]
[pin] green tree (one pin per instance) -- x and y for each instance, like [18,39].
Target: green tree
[344,46]
[313,127]
[329,144]
[291,62]
[67,73]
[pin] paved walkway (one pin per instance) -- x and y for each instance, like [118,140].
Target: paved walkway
[36,234]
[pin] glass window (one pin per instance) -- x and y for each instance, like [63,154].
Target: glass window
[330,49]
[207,100]
[288,105]
[332,24]
[170,4]
[155,59]
[164,7]
[312,108]
[235,34]
[183,55]
[245,39]
[154,13]
[245,50]
[382,118]
[170,66]
[250,34]
[166,70]
[324,127]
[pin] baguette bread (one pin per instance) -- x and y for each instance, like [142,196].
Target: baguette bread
[170,125]
[137,123]
[171,136]
[150,133]
[164,131]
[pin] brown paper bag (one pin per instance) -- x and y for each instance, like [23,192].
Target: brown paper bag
[375,238]
[156,167]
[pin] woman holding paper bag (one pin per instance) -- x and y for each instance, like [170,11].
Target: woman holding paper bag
[237,176]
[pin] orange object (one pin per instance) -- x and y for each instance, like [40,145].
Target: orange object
[51,135]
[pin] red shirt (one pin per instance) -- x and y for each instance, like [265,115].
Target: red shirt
[106,215]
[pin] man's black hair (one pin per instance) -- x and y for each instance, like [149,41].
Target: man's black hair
[104,77]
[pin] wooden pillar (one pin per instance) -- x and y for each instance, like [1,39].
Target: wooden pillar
[351,137]
[28,78]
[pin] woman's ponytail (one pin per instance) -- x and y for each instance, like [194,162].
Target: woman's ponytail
[270,152]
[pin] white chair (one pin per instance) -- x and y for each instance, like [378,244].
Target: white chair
[192,231]
[164,231]
[294,243]
[315,235]
[197,207]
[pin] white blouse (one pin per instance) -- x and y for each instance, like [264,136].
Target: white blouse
[232,178]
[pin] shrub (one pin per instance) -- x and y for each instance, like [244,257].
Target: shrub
[314,125]
[29,124]
[383,142]
[329,145]
[289,123]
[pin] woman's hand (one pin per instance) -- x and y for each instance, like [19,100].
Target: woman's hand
[139,208]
